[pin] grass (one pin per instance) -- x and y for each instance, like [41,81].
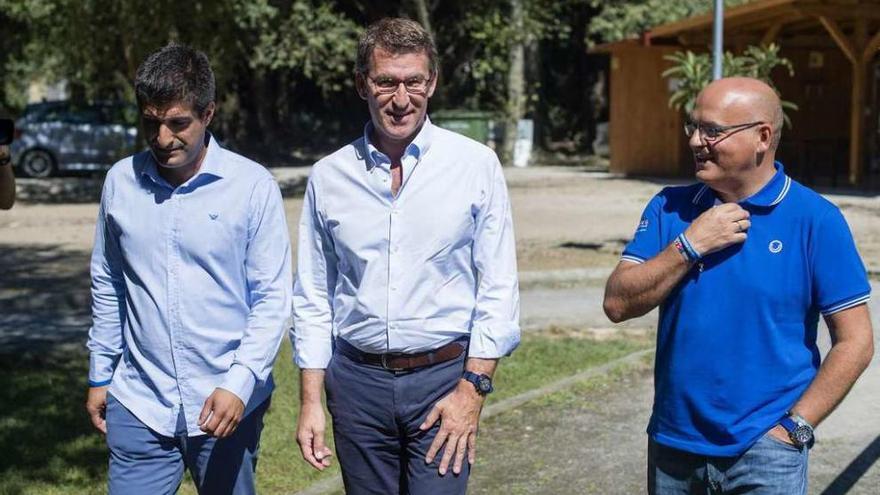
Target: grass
[47,445]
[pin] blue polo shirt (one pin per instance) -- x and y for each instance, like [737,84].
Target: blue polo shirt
[736,340]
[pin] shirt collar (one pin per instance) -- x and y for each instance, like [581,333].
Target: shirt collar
[212,164]
[770,195]
[417,148]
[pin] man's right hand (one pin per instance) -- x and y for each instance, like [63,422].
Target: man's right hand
[96,405]
[310,436]
[718,228]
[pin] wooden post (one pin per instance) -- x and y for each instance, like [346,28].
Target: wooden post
[857,107]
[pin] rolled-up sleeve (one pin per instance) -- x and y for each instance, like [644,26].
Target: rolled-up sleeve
[105,342]
[314,287]
[495,332]
[269,282]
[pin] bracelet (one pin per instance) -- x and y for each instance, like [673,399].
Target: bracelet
[685,248]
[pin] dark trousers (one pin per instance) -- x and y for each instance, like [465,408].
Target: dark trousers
[376,417]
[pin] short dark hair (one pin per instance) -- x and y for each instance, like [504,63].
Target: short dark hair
[396,36]
[175,74]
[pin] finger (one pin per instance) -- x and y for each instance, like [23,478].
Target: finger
[435,446]
[206,409]
[432,418]
[222,425]
[460,450]
[740,237]
[308,452]
[320,450]
[448,452]
[213,422]
[97,421]
[744,225]
[740,213]
[472,447]
[231,426]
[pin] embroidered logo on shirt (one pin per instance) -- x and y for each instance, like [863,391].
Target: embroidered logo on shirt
[643,226]
[775,246]
[213,215]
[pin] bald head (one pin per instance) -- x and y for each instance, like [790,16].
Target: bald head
[748,98]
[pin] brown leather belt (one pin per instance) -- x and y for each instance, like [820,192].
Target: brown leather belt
[395,361]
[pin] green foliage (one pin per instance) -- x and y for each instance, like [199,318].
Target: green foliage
[692,72]
[621,19]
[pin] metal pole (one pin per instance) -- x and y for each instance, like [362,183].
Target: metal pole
[718,40]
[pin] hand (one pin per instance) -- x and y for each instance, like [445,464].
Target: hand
[96,405]
[310,436]
[781,434]
[459,415]
[718,228]
[221,413]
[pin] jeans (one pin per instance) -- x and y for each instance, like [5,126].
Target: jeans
[143,462]
[769,467]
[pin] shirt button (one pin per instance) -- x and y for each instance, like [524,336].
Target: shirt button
[393,287]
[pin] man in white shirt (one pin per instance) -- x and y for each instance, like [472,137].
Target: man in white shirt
[406,293]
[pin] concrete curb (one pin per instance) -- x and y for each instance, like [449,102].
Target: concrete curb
[335,483]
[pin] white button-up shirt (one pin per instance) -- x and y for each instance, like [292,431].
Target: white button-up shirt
[190,286]
[408,273]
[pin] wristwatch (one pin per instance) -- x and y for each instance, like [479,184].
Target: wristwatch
[799,430]
[481,382]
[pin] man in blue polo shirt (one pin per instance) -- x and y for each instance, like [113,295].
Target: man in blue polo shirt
[742,264]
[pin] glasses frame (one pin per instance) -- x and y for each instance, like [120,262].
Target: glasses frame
[721,131]
[419,92]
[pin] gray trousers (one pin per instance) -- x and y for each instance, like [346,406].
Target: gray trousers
[376,417]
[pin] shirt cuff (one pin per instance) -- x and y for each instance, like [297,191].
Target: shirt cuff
[101,368]
[493,343]
[240,381]
[313,353]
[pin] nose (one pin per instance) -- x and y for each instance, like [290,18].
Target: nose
[401,97]
[695,141]
[164,136]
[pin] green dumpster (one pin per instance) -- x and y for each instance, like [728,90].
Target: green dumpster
[473,124]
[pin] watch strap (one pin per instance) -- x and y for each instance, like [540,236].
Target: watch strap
[478,381]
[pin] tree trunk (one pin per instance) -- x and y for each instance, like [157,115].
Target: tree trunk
[516,83]
[423,15]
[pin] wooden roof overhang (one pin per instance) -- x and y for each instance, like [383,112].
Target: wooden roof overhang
[853,26]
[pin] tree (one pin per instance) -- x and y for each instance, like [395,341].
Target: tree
[692,72]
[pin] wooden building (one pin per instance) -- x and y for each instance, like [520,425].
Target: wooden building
[832,45]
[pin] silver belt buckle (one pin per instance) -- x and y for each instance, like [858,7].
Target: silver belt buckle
[385,363]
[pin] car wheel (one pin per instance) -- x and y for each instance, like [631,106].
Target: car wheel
[37,163]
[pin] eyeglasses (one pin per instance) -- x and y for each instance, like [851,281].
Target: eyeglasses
[711,133]
[417,85]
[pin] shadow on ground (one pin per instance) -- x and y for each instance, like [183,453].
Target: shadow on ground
[46,440]
[44,297]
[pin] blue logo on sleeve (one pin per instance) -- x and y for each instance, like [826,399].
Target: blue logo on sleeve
[775,246]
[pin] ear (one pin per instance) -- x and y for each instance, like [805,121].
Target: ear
[360,83]
[432,86]
[765,138]
[208,114]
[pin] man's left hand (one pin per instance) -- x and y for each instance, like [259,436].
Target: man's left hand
[459,415]
[221,413]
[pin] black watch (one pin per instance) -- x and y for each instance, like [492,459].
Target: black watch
[483,383]
[799,430]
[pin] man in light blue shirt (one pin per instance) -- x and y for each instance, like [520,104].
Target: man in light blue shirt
[191,279]
[406,292]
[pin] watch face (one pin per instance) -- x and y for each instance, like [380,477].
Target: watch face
[802,435]
[485,384]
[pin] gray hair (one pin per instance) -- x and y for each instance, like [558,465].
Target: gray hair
[396,36]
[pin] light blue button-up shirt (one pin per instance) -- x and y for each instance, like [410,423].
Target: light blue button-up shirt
[191,286]
[412,272]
